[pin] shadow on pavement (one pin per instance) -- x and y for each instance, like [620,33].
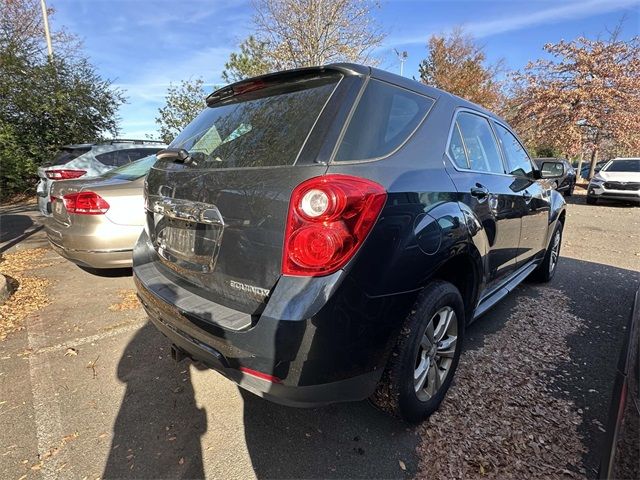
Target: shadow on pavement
[350,440]
[108,272]
[12,226]
[602,296]
[158,428]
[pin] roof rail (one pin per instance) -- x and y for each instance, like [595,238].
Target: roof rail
[131,140]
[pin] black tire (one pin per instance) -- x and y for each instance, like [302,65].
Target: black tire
[569,192]
[397,392]
[591,200]
[547,269]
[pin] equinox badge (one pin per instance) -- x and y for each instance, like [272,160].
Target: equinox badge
[257,291]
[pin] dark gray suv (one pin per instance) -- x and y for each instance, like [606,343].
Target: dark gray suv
[327,234]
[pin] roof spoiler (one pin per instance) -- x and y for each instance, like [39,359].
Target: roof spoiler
[264,81]
[131,140]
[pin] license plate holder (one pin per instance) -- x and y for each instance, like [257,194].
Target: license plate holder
[190,245]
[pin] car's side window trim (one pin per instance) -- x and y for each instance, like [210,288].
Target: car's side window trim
[470,170]
[464,145]
[533,165]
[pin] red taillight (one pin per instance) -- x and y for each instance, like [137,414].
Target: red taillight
[85,203]
[329,218]
[64,174]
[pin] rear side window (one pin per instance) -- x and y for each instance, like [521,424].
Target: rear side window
[139,153]
[517,159]
[384,119]
[117,158]
[263,128]
[478,143]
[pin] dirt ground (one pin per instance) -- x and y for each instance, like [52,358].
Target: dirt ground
[88,389]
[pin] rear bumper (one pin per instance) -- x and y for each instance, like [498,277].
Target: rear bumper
[95,258]
[319,343]
[110,246]
[356,388]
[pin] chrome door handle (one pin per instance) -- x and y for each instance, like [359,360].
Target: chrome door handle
[479,191]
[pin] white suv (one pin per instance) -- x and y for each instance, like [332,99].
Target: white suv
[617,180]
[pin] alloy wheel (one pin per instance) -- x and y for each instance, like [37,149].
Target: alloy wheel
[435,353]
[555,251]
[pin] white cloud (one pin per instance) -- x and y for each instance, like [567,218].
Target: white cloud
[566,11]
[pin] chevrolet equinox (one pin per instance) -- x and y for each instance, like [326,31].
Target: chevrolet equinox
[326,234]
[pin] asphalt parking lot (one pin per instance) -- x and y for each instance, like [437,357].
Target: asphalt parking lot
[88,388]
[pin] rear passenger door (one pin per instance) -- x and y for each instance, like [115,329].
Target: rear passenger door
[535,198]
[478,171]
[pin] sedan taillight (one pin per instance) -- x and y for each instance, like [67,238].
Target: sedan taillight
[329,218]
[85,203]
[63,174]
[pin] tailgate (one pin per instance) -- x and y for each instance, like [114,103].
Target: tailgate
[223,231]
[217,220]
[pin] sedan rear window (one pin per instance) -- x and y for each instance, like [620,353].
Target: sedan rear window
[263,128]
[133,170]
[384,119]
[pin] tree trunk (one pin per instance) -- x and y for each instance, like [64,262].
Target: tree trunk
[594,160]
[579,169]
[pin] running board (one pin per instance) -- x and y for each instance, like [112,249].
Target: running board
[488,302]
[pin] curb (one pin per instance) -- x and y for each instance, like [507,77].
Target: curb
[5,293]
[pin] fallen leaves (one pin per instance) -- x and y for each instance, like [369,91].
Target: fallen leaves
[501,418]
[129,301]
[53,451]
[30,291]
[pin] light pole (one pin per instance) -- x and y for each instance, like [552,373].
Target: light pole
[402,56]
[47,35]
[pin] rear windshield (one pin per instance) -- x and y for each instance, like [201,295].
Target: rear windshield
[65,155]
[132,171]
[630,165]
[259,129]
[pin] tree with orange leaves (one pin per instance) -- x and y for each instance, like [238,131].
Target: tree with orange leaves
[457,63]
[585,99]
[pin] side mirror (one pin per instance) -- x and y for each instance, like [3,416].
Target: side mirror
[552,170]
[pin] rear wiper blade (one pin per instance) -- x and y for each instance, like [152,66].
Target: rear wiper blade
[178,155]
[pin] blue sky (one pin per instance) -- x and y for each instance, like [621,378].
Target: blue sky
[143,45]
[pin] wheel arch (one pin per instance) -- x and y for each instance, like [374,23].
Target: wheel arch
[464,271]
